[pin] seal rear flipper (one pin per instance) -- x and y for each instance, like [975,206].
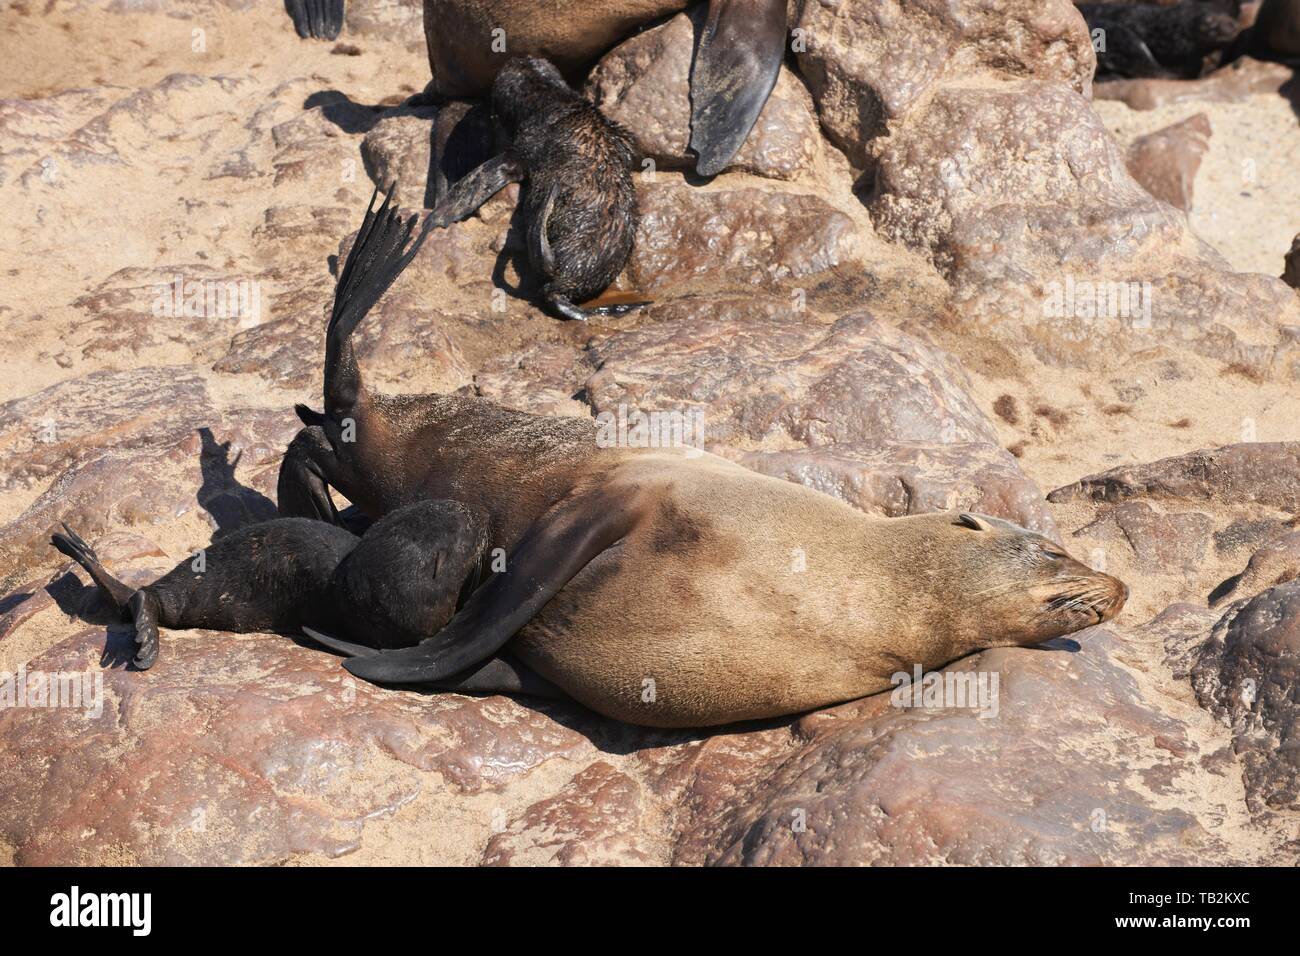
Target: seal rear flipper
[75,547]
[737,62]
[378,256]
[477,187]
[316,19]
[559,545]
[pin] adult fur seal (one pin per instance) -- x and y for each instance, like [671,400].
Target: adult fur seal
[316,19]
[578,200]
[664,587]
[398,583]
[739,48]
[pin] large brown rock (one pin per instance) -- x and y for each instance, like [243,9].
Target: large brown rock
[870,64]
[689,239]
[762,379]
[1042,783]
[644,83]
[1276,563]
[1158,542]
[1247,675]
[239,749]
[896,478]
[1165,162]
[1266,473]
[1229,84]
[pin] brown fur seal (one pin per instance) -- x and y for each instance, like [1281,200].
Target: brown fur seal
[663,587]
[579,203]
[738,55]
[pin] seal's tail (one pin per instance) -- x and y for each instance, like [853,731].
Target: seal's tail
[74,546]
[378,256]
[316,19]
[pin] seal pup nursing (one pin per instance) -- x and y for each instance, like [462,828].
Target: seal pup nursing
[739,48]
[629,565]
[579,204]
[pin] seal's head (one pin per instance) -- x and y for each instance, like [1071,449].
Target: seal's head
[525,86]
[1021,588]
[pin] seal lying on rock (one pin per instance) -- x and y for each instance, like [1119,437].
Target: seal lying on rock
[665,587]
[398,583]
[578,199]
[1148,40]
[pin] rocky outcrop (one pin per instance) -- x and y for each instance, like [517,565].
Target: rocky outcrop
[1246,675]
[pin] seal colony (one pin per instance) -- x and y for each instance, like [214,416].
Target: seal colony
[653,587]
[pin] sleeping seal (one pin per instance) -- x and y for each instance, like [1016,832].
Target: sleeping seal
[655,586]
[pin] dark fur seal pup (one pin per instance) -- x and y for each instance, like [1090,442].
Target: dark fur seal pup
[398,583]
[316,19]
[665,587]
[739,48]
[1150,40]
[579,203]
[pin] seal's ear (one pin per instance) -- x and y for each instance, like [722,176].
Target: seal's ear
[973,521]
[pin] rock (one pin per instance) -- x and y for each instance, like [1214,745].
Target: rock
[1233,83]
[397,149]
[1291,273]
[599,818]
[690,239]
[1276,563]
[68,423]
[760,377]
[152,478]
[1165,162]
[644,83]
[243,749]
[896,478]
[1159,542]
[394,20]
[1246,675]
[1181,629]
[882,785]
[870,64]
[1277,27]
[1266,473]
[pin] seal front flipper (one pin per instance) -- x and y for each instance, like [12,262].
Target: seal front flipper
[559,545]
[737,61]
[477,187]
[302,488]
[316,19]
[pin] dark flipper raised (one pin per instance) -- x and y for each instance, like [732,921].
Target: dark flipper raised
[559,545]
[737,60]
[75,547]
[475,188]
[316,19]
